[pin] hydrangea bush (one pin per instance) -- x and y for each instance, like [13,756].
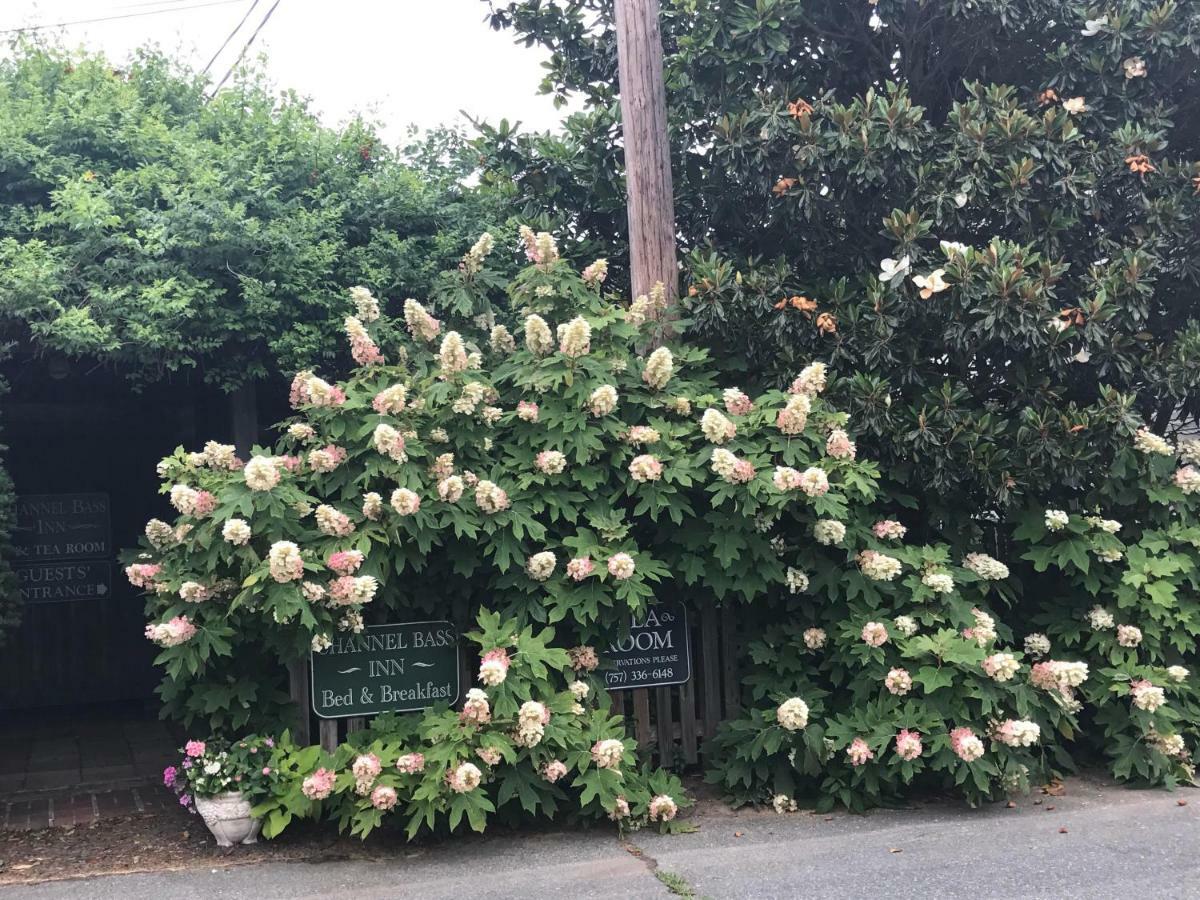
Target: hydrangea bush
[894,671]
[563,470]
[501,754]
[1121,589]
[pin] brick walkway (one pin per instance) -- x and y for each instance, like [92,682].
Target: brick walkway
[74,767]
[66,809]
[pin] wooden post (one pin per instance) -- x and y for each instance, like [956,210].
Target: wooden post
[243,409]
[298,688]
[647,149]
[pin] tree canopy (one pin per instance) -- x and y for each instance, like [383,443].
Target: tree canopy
[149,227]
[1056,143]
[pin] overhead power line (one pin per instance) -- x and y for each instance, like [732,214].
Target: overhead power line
[132,15]
[245,47]
[225,44]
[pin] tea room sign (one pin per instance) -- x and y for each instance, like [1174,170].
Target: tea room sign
[657,651]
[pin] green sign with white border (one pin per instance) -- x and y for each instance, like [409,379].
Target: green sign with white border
[403,667]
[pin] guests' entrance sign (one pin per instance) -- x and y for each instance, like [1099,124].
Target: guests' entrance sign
[402,667]
[657,651]
[64,581]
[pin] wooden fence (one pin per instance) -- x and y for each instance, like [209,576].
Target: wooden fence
[670,723]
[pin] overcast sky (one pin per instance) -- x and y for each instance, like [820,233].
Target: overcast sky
[400,61]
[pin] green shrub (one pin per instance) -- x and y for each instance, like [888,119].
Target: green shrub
[1124,594]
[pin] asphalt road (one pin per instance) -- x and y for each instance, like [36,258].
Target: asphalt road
[1117,843]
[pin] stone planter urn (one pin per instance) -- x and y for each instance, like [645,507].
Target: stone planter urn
[228,817]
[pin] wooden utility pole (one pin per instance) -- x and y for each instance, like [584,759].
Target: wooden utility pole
[647,148]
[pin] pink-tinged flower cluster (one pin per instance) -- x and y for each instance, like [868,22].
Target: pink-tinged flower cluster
[737,402]
[983,632]
[594,274]
[663,808]
[366,769]
[527,411]
[898,682]
[554,770]
[540,248]
[405,502]
[383,797]
[621,566]
[1056,675]
[1001,666]
[490,755]
[888,530]
[410,763]
[333,522]
[908,745]
[450,489]
[421,325]
[583,658]
[794,416]
[1187,479]
[178,630]
[1017,733]
[859,753]
[786,479]
[493,667]
[142,575]
[839,446]
[874,634]
[490,497]
[464,778]
[193,592]
[352,591]
[345,562]
[965,744]
[389,442]
[550,462]
[1129,635]
[194,749]
[284,562]
[326,459]
[580,568]
[364,350]
[811,380]
[319,784]
[309,390]
[730,467]
[391,400]
[645,468]
[1146,695]
[640,435]
[814,638]
[476,708]
[372,507]
[607,753]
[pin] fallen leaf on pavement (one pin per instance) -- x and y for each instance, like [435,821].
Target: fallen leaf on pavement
[895,850]
[1062,831]
[1181,803]
[1011,805]
[1055,788]
[738,833]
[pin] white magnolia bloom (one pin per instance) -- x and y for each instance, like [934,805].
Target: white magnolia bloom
[930,284]
[890,268]
[953,248]
[1135,67]
[1075,105]
[1091,27]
